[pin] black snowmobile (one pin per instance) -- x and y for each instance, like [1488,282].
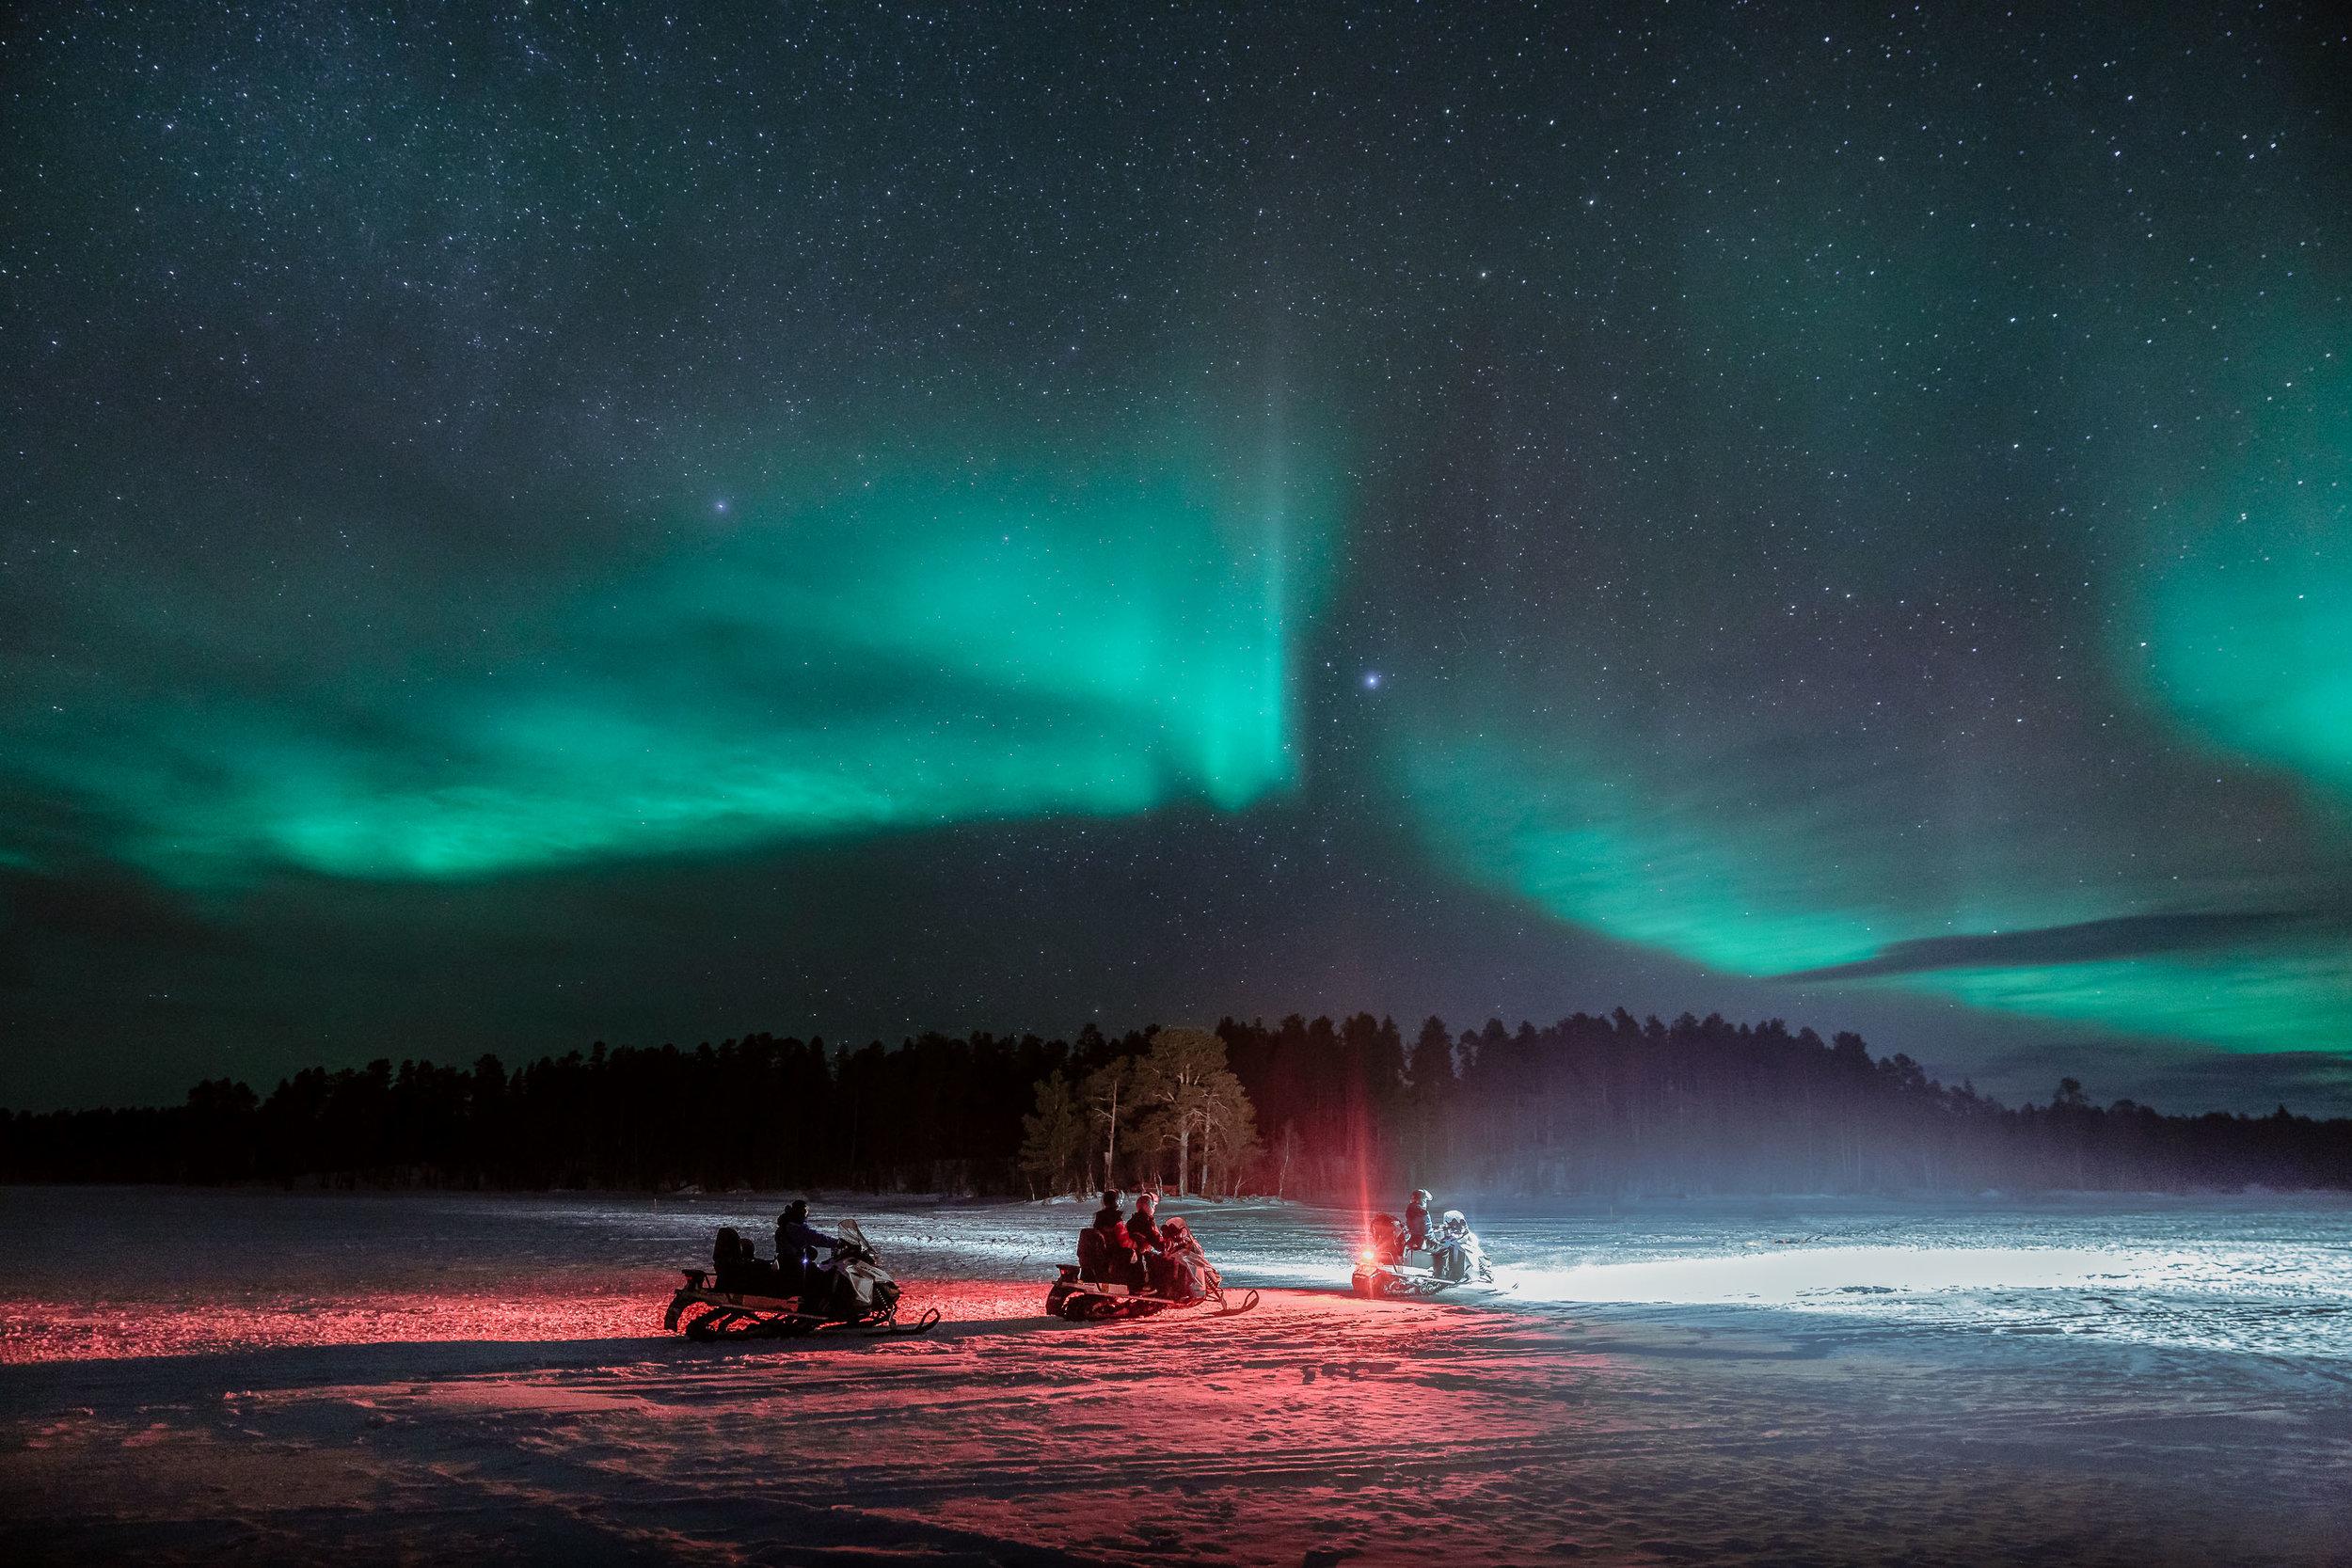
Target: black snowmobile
[853,1293]
[1097,1288]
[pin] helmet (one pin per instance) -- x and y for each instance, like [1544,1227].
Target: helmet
[796,1210]
[1421,1193]
[1146,1203]
[1453,1220]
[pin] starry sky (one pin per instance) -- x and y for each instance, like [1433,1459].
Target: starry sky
[529,523]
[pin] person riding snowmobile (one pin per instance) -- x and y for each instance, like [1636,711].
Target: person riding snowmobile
[797,1245]
[1417,1221]
[1385,1239]
[1455,1252]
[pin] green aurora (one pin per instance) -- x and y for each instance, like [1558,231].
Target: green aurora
[2246,631]
[908,644]
[536,525]
[1708,875]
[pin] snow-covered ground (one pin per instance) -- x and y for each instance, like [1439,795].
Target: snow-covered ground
[274,1377]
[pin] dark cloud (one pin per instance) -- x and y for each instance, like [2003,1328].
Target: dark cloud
[2128,936]
[2313,1082]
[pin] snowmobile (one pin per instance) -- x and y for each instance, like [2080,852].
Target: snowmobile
[1387,1266]
[1098,1301]
[1085,1292]
[853,1294]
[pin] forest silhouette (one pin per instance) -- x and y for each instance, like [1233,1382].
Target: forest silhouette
[1607,1106]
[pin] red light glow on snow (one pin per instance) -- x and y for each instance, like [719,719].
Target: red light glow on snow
[35,1331]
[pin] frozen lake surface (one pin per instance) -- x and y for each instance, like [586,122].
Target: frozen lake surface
[2269,1276]
[2137,1380]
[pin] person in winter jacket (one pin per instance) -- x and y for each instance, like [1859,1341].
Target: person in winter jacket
[798,1243]
[1143,1229]
[1456,1254]
[1110,1205]
[738,1267]
[1417,1221]
[1185,1272]
[1143,1225]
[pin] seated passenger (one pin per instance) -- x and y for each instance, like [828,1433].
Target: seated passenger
[739,1269]
[1110,1205]
[1143,1229]
[1184,1275]
[1385,1239]
[1106,1256]
[1455,1253]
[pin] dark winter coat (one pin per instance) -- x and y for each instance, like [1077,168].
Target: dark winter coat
[801,1248]
[1416,1224]
[798,1238]
[1144,1230]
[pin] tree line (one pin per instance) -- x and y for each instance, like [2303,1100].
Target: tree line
[1338,1110]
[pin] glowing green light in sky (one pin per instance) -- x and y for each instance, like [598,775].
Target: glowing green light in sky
[2294,995]
[2257,654]
[1677,791]
[900,644]
[2245,634]
[1755,879]
[1636,863]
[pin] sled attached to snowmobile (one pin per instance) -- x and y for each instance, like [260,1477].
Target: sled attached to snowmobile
[852,1295]
[1088,1301]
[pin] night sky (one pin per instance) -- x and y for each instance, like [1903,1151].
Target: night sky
[526,525]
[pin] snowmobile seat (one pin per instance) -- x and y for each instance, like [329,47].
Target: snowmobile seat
[726,1258]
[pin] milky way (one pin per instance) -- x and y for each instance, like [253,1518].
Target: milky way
[523,528]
